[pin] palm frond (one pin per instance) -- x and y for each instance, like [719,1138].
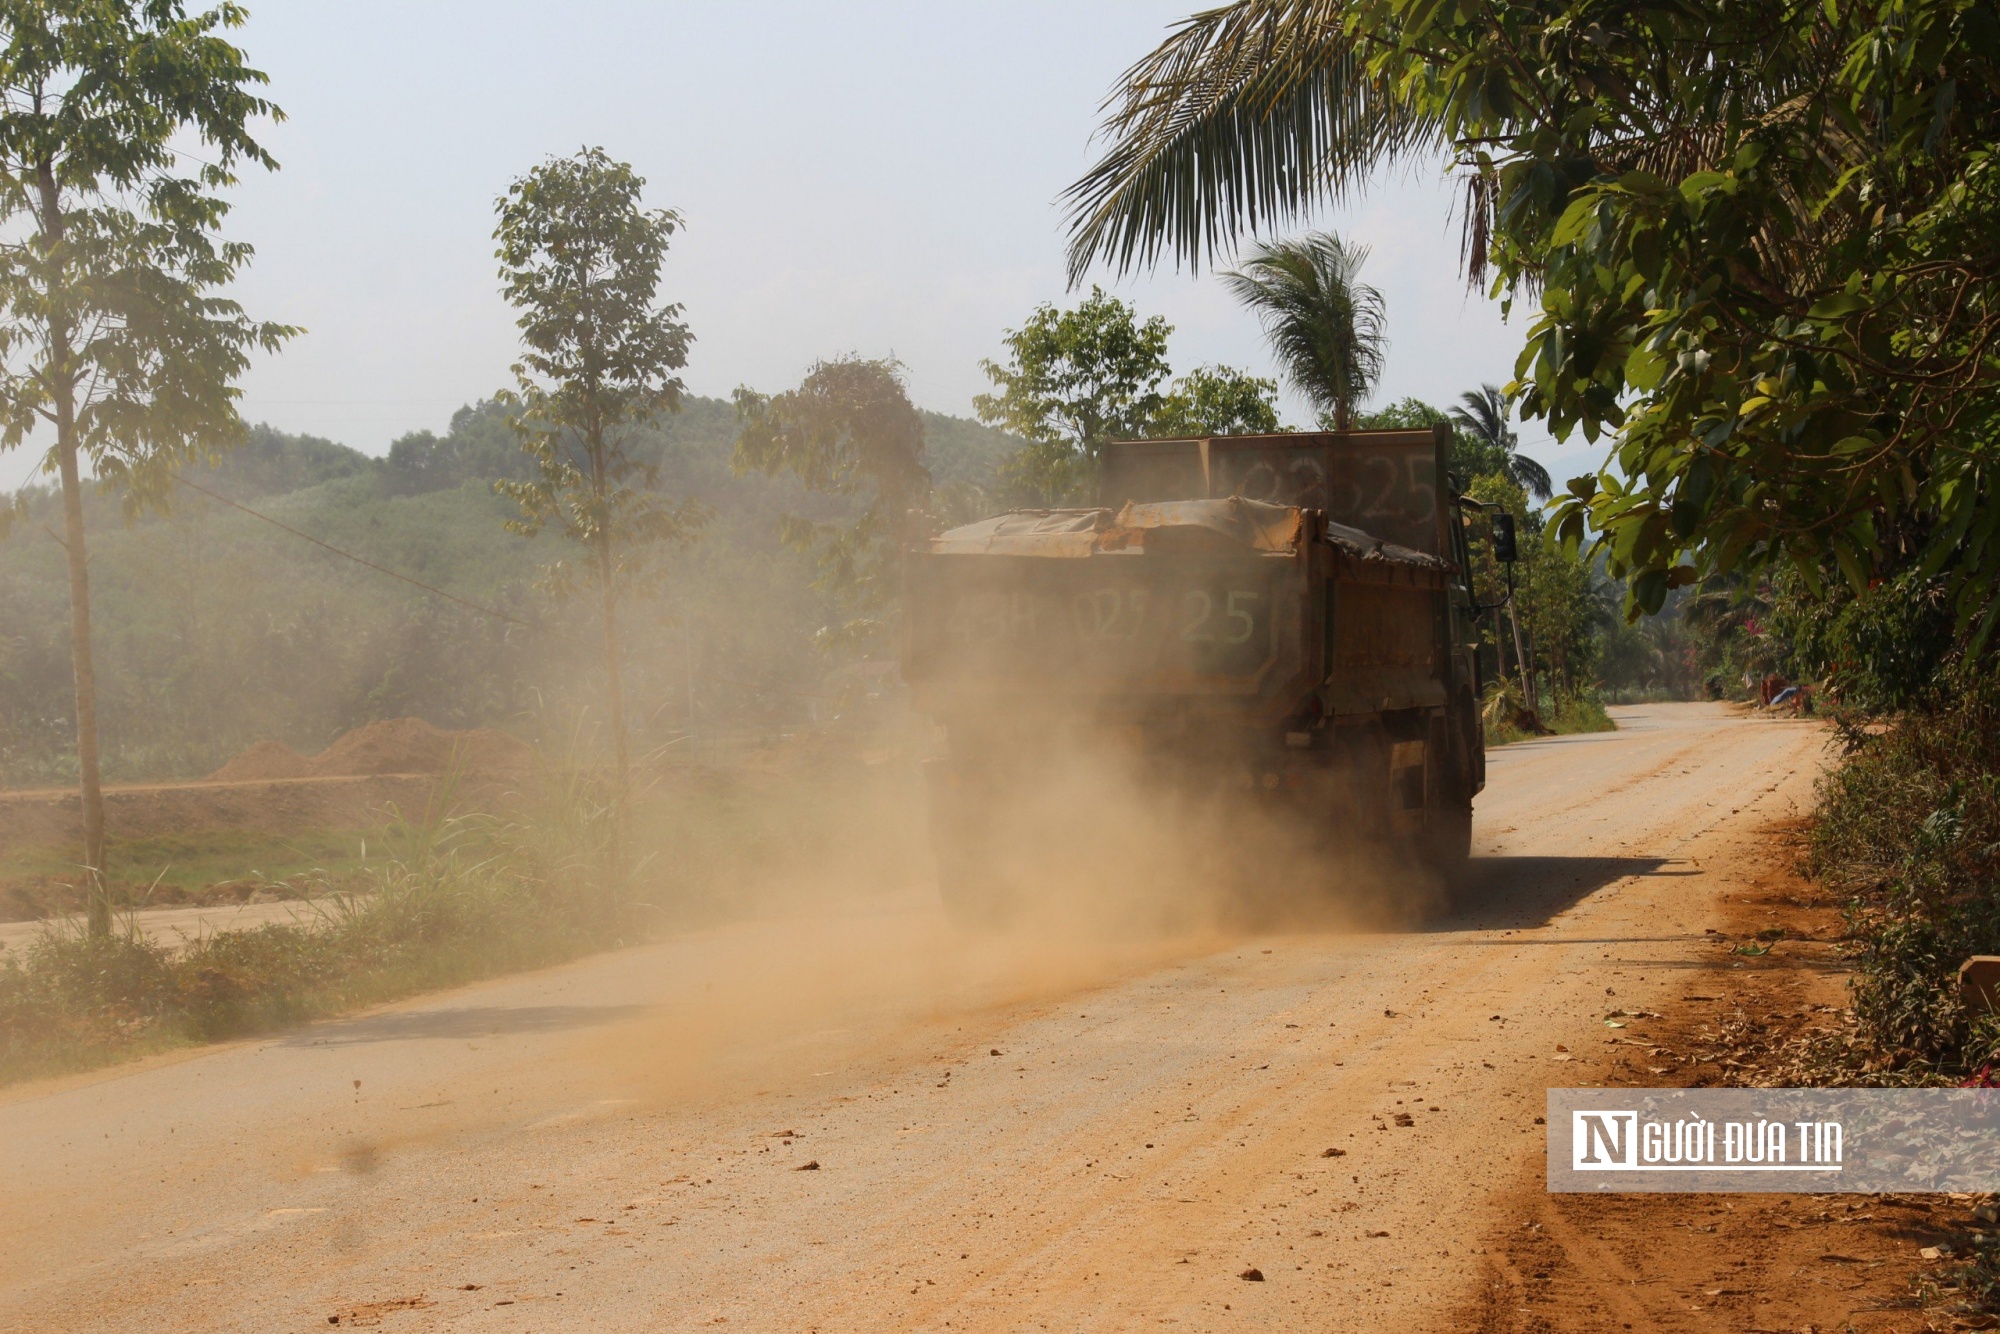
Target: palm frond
[1326,327]
[1530,476]
[1485,415]
[1252,113]
[1246,115]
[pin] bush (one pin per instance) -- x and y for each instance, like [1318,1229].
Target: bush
[1909,827]
[1888,650]
[1507,720]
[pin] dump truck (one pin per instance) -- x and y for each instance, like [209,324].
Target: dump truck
[1285,617]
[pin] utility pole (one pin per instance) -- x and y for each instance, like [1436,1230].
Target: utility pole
[1522,668]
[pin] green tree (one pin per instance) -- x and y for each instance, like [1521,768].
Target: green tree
[580,259]
[1073,380]
[1759,237]
[1484,416]
[1217,400]
[849,427]
[1654,656]
[1324,323]
[1554,614]
[112,336]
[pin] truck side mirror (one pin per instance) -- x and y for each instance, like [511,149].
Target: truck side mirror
[1503,538]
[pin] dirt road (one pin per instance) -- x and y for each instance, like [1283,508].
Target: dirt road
[1005,1136]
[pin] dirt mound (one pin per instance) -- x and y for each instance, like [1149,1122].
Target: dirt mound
[413,746]
[392,746]
[264,762]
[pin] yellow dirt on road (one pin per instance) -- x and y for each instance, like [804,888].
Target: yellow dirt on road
[862,1120]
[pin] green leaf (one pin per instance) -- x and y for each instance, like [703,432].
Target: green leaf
[1644,368]
[1835,306]
[1852,567]
[1701,182]
[1649,590]
[1575,220]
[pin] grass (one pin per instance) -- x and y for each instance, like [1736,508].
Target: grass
[1581,712]
[452,898]
[447,897]
[198,866]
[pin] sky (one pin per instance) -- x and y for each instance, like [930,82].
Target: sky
[876,178]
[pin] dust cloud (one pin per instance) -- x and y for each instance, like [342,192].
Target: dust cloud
[1102,867]
[1091,831]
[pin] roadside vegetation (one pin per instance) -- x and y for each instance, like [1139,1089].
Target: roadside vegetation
[449,895]
[1909,829]
[452,898]
[194,867]
[1507,719]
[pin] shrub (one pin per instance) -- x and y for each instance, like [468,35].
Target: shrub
[1909,827]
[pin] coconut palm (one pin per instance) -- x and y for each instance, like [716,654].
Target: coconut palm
[1325,326]
[1246,114]
[1254,112]
[1485,415]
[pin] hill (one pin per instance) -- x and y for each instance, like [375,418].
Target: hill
[215,630]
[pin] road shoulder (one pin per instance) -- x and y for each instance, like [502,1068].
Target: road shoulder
[1770,978]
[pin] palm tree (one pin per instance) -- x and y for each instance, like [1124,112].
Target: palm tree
[1324,325]
[1485,415]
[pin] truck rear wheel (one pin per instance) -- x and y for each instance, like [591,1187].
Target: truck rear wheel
[976,894]
[1448,802]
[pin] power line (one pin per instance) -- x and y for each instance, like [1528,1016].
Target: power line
[359,560]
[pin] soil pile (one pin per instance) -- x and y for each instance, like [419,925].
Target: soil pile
[413,746]
[264,762]
[392,746]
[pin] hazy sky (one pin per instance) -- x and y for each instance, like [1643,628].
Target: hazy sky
[875,178]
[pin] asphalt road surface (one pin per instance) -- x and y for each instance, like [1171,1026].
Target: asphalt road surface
[860,1120]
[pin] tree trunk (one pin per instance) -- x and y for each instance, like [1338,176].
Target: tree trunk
[86,691]
[613,676]
[1534,686]
[63,390]
[614,690]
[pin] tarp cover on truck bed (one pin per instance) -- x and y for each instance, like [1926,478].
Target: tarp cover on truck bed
[1215,599]
[1231,526]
